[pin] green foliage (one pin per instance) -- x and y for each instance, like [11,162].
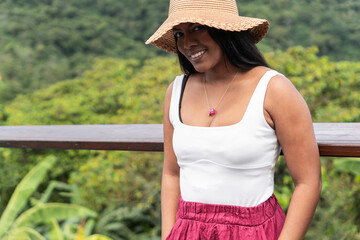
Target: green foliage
[99,179]
[351,165]
[42,213]
[25,233]
[337,215]
[97,237]
[113,92]
[18,224]
[118,91]
[331,25]
[22,193]
[55,233]
[134,222]
[328,87]
[15,163]
[46,41]
[284,185]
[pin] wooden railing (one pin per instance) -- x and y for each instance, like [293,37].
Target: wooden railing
[334,139]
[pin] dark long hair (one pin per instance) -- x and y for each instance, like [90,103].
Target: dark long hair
[238,48]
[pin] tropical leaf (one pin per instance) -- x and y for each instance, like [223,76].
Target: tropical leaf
[82,234]
[56,233]
[24,233]
[48,211]
[349,164]
[98,237]
[89,226]
[69,228]
[22,193]
[51,187]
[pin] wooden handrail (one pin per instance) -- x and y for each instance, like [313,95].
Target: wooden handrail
[334,139]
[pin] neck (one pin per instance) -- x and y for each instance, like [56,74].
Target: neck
[223,75]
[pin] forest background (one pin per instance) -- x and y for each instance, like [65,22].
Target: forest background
[85,62]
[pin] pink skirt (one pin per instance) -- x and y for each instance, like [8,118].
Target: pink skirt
[203,221]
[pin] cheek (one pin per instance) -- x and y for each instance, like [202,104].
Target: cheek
[180,43]
[215,49]
[180,46]
[218,53]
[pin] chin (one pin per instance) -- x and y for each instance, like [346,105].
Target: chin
[201,68]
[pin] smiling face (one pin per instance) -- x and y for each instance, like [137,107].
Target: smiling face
[195,43]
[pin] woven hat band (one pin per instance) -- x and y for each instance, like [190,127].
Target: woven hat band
[223,6]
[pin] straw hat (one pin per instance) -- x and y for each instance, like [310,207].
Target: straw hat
[221,14]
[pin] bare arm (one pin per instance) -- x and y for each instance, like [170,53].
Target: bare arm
[294,129]
[170,189]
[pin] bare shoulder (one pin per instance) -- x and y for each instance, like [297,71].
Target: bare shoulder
[284,103]
[280,84]
[166,107]
[169,91]
[167,98]
[281,93]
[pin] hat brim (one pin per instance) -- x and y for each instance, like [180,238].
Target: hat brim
[164,38]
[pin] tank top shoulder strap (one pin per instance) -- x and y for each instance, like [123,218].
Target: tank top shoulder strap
[175,99]
[256,104]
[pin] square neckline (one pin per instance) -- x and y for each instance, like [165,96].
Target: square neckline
[224,126]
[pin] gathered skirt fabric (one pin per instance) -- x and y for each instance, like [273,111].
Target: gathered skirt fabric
[201,221]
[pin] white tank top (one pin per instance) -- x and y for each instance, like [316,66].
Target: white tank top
[229,165]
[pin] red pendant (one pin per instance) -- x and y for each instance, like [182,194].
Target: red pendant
[212,112]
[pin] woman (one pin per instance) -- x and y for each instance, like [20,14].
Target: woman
[224,123]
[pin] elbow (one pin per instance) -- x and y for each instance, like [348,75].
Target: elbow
[320,186]
[312,187]
[316,188]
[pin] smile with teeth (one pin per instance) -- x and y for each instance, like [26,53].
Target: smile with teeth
[197,55]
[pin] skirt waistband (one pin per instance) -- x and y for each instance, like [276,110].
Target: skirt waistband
[228,214]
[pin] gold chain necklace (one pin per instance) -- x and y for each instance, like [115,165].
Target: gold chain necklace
[212,109]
